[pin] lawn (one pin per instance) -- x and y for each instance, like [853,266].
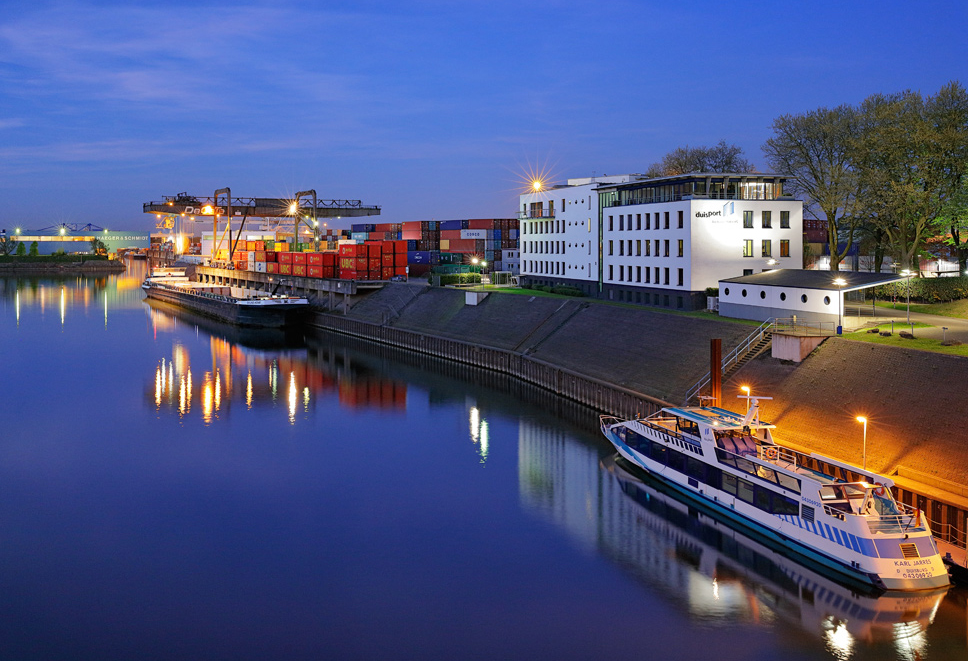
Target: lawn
[957,309]
[895,340]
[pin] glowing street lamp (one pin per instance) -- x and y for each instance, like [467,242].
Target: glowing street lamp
[863,420]
[746,389]
[840,282]
[537,185]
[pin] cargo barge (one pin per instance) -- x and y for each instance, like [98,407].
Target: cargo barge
[227,304]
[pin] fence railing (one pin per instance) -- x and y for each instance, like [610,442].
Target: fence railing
[801,327]
[733,356]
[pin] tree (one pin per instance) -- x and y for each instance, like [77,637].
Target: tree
[21,249]
[722,157]
[98,247]
[911,155]
[7,244]
[817,148]
[952,225]
[33,249]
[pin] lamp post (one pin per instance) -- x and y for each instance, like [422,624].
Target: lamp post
[863,420]
[840,282]
[746,389]
[907,274]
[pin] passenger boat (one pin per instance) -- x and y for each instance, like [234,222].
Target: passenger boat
[229,304]
[830,512]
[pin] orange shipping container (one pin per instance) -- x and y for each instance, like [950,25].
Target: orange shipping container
[299,269]
[260,255]
[285,269]
[259,245]
[281,247]
[272,267]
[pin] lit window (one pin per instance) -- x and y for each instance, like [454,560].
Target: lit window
[748,219]
[748,248]
[785,220]
[767,220]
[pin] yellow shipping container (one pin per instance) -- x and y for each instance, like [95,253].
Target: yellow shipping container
[445,244]
[281,247]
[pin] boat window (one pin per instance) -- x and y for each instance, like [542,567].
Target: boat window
[729,483]
[766,473]
[744,490]
[854,491]
[658,453]
[746,466]
[788,481]
[725,458]
[676,460]
[763,499]
[784,505]
[696,469]
[830,492]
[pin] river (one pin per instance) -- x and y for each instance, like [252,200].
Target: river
[172,488]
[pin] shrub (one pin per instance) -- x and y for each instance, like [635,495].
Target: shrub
[460,279]
[712,291]
[926,290]
[565,290]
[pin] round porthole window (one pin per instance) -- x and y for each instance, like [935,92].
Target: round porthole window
[782,296]
[762,294]
[726,291]
[826,300]
[744,293]
[804,298]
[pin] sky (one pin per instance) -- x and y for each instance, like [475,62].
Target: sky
[435,109]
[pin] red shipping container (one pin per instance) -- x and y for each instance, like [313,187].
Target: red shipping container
[384,227]
[285,269]
[482,224]
[400,259]
[259,246]
[399,246]
[361,263]
[375,263]
[314,259]
[387,247]
[299,269]
[450,234]
[411,226]
[272,267]
[463,245]
[387,259]
[328,271]
[314,271]
[386,272]
[411,235]
[400,270]
[347,274]
[328,258]
[298,258]
[260,255]
[285,257]
[271,256]
[347,263]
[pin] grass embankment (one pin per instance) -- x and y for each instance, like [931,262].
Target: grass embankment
[895,340]
[957,309]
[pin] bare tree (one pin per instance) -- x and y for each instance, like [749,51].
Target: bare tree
[817,148]
[722,157]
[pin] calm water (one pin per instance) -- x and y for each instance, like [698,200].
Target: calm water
[171,489]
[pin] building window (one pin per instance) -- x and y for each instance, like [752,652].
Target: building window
[648,221]
[767,220]
[621,248]
[621,223]
[785,220]
[681,247]
[666,276]
[630,247]
[648,275]
[680,279]
[767,248]
[667,247]
[611,223]
[638,274]
[657,253]
[680,220]
[667,220]
[747,248]
[784,247]
[611,273]
[747,271]
[611,247]
[747,219]
[638,247]
[621,273]
[638,221]
[656,275]
[648,248]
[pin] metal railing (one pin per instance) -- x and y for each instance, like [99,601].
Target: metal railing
[909,520]
[801,327]
[733,356]
[536,213]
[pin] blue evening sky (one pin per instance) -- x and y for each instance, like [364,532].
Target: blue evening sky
[430,109]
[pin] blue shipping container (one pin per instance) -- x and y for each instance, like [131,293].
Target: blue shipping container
[411,245]
[419,257]
[451,225]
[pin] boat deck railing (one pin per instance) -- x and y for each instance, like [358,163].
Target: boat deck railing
[195,292]
[910,519]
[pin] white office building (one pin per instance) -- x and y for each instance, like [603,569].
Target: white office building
[658,241]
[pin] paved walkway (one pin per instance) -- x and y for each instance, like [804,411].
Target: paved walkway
[957,328]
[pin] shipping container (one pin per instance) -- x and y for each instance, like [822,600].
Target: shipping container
[260,267]
[314,259]
[400,259]
[285,269]
[272,267]
[328,259]
[314,271]
[298,258]
[299,269]
[285,257]
[418,257]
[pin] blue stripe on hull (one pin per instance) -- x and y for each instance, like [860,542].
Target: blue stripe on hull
[749,525]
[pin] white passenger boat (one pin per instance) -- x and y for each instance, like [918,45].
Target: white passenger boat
[831,512]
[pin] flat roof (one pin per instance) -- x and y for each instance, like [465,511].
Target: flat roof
[823,280]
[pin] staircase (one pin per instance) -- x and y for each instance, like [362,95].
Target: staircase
[756,343]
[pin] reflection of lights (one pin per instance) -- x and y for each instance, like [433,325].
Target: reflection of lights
[909,640]
[839,640]
[17,305]
[63,304]
[218,390]
[715,589]
[306,399]
[159,383]
[293,397]
[248,391]
[182,395]
[479,432]
[105,309]
[207,399]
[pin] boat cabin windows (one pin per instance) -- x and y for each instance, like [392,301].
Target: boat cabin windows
[687,426]
[859,498]
[760,496]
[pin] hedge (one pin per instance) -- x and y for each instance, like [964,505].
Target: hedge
[926,290]
[460,279]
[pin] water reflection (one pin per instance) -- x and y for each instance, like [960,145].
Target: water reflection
[716,573]
[258,367]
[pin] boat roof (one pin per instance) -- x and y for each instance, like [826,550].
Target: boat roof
[715,417]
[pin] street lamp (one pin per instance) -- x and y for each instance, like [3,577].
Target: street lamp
[746,389]
[907,274]
[863,420]
[840,282]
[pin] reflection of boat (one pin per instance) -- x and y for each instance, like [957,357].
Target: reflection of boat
[233,305]
[740,570]
[250,337]
[827,511]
